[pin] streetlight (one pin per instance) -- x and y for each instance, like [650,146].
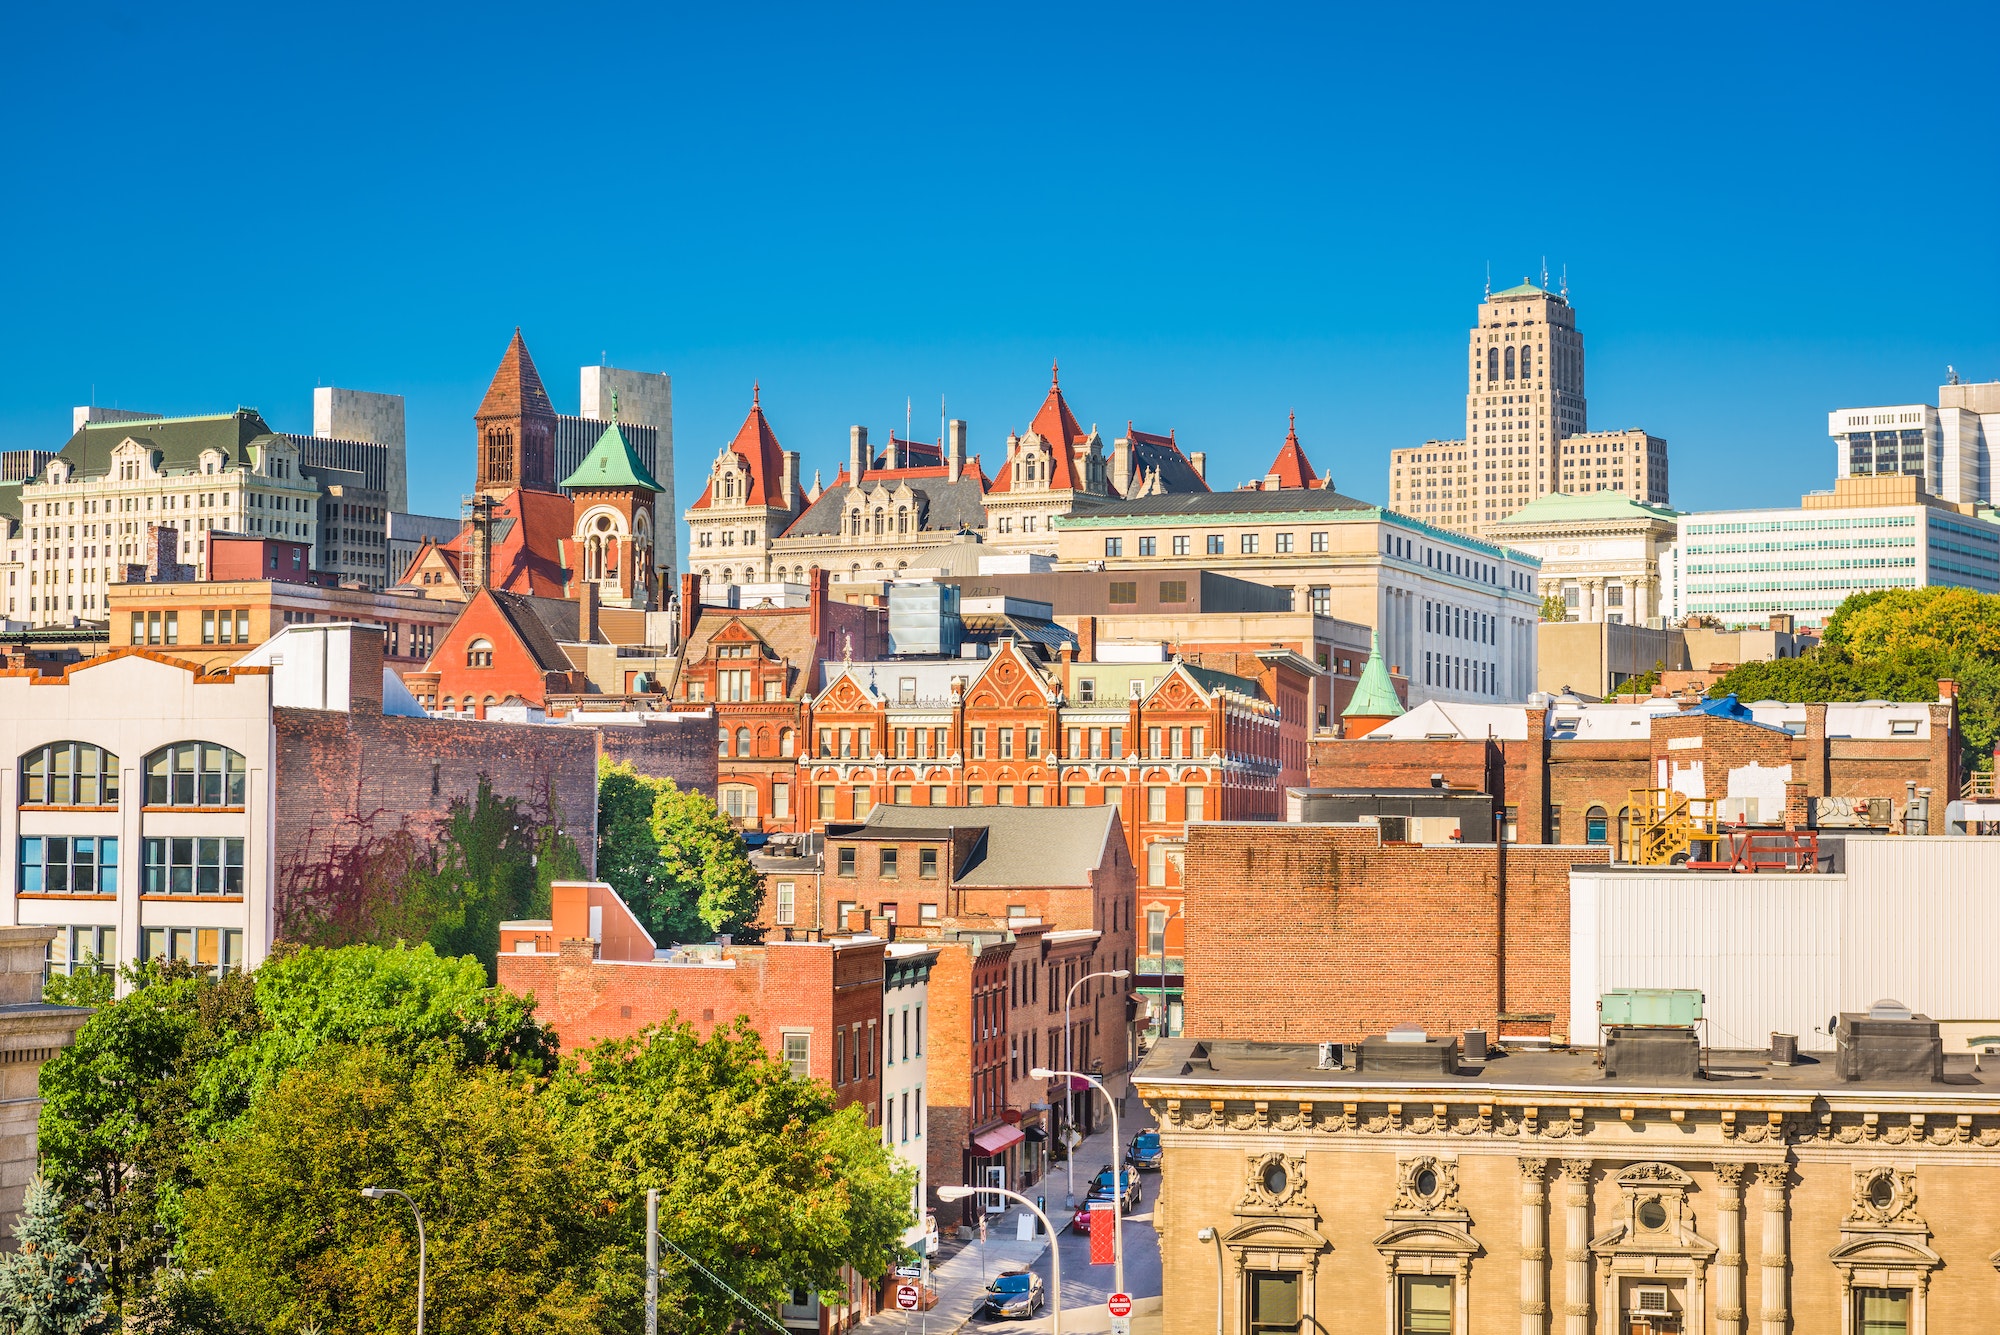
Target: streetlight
[1208,1235]
[1069,1090]
[1176,913]
[956,1193]
[383,1193]
[1117,1167]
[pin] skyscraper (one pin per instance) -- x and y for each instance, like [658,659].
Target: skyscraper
[1527,425]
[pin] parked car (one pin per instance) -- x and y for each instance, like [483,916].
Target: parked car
[1016,1293]
[1080,1221]
[1101,1187]
[1144,1153]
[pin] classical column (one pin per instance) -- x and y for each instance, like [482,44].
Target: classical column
[1774,1177]
[1534,1246]
[1729,1249]
[1576,1247]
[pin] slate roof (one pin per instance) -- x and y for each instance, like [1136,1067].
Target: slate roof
[1161,455]
[758,444]
[786,632]
[1221,504]
[948,506]
[1292,467]
[516,389]
[1056,424]
[1024,846]
[179,440]
[542,624]
[528,530]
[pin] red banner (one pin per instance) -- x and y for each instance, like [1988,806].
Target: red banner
[1103,1239]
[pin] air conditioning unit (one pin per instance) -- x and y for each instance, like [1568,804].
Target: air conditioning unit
[1649,1300]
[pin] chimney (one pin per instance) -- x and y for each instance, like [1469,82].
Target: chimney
[818,583]
[482,541]
[857,454]
[955,449]
[894,454]
[1086,639]
[790,485]
[1121,461]
[1781,622]
[364,669]
[1947,690]
[1199,461]
[690,604]
[586,610]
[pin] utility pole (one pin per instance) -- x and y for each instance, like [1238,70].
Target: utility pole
[652,1261]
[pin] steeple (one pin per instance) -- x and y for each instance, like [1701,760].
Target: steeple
[1375,701]
[516,426]
[612,464]
[1291,469]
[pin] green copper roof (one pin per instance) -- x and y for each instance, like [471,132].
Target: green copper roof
[1562,507]
[611,463]
[1374,695]
[1526,289]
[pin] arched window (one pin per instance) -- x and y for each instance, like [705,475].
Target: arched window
[722,741]
[902,519]
[1493,363]
[878,522]
[69,774]
[194,774]
[1510,363]
[743,741]
[479,653]
[1596,826]
[787,743]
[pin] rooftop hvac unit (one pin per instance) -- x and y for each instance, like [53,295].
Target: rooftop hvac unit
[1650,1005]
[1649,1300]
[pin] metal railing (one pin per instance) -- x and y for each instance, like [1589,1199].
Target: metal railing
[1979,787]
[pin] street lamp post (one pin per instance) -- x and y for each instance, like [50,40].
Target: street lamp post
[959,1193]
[1208,1235]
[1163,968]
[382,1193]
[1117,1169]
[1069,1090]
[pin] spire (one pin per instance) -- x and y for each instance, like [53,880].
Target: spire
[516,389]
[1055,375]
[1375,695]
[1291,468]
[756,391]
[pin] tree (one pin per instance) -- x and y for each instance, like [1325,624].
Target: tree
[1644,683]
[48,1286]
[518,1240]
[88,984]
[672,856]
[1554,608]
[761,1179]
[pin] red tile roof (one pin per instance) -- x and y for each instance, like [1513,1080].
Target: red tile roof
[759,446]
[529,528]
[1291,466]
[1056,424]
[517,386]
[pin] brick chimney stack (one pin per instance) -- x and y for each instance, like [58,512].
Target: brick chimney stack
[690,605]
[954,455]
[857,454]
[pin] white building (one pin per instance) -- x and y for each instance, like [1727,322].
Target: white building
[905,1070]
[135,808]
[1869,533]
[1601,551]
[1908,918]
[1949,447]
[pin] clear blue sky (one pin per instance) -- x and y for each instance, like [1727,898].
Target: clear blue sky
[1210,215]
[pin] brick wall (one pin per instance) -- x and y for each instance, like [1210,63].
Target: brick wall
[1329,935]
[680,747]
[352,783]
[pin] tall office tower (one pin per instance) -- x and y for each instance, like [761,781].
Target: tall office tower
[1527,425]
[364,418]
[645,399]
[1949,448]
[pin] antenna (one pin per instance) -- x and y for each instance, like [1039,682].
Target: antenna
[1489,280]
[1545,273]
[909,406]
[1565,282]
[943,425]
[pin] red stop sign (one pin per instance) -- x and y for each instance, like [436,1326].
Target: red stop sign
[908,1296]
[1119,1304]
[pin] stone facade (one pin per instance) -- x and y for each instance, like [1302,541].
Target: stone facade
[30,1034]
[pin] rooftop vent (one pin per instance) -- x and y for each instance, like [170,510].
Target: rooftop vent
[1890,1042]
[1406,1050]
[1651,1052]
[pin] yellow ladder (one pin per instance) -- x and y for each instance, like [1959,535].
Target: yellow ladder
[1662,824]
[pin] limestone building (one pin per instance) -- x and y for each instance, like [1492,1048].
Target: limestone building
[752,497]
[1527,425]
[1600,551]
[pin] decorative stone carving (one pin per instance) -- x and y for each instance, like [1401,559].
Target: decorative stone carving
[1276,1183]
[1426,1184]
[1882,1195]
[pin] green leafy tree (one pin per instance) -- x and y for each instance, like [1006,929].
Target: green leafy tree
[1554,608]
[673,857]
[518,1240]
[1644,683]
[761,1179]
[48,1285]
[88,984]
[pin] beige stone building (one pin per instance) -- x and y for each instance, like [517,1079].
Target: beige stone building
[1527,425]
[1413,1190]
[1601,551]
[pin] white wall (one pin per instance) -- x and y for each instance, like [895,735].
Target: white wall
[1914,919]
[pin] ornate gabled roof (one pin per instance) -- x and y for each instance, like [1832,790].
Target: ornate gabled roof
[1056,424]
[758,445]
[611,462]
[1291,467]
[946,506]
[1375,694]
[1160,461]
[517,389]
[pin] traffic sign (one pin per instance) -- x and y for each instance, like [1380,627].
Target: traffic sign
[909,1272]
[908,1297]
[1120,1304]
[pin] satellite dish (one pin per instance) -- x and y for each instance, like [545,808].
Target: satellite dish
[1832,1023]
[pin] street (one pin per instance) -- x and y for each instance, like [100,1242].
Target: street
[958,1278]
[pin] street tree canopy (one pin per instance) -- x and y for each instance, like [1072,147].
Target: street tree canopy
[673,857]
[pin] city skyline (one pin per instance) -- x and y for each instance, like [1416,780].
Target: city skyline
[1195,265]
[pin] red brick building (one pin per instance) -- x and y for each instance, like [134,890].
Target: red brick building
[504,648]
[1565,773]
[1328,934]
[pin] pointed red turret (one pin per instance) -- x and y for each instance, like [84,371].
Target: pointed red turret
[516,426]
[756,442]
[1291,469]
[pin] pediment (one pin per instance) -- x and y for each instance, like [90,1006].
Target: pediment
[1878,1249]
[1278,1233]
[1431,1236]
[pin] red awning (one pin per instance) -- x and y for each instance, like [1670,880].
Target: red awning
[997,1141]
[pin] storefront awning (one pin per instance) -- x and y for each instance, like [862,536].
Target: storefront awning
[1035,1133]
[997,1141]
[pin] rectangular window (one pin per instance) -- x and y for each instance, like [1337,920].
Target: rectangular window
[1180,544]
[862,801]
[1003,794]
[1114,546]
[867,741]
[1123,592]
[787,902]
[1006,743]
[940,796]
[826,791]
[840,1056]
[1174,740]
[1153,743]
[781,799]
[1215,544]
[1319,542]
[1116,741]
[1114,795]
[1034,743]
[1149,546]
[826,742]
[1036,795]
[1248,544]
[1424,1305]
[1173,591]
[1196,805]
[798,1054]
[1284,542]
[1274,1302]
[975,795]
[1320,599]
[889,863]
[1156,804]
[1073,796]
[925,913]
[846,862]
[1881,1311]
[900,795]
[69,865]
[1156,932]
[189,866]
[927,864]
[1197,744]
[1156,864]
[208,625]
[978,743]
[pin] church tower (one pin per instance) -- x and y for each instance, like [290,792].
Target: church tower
[612,543]
[516,427]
